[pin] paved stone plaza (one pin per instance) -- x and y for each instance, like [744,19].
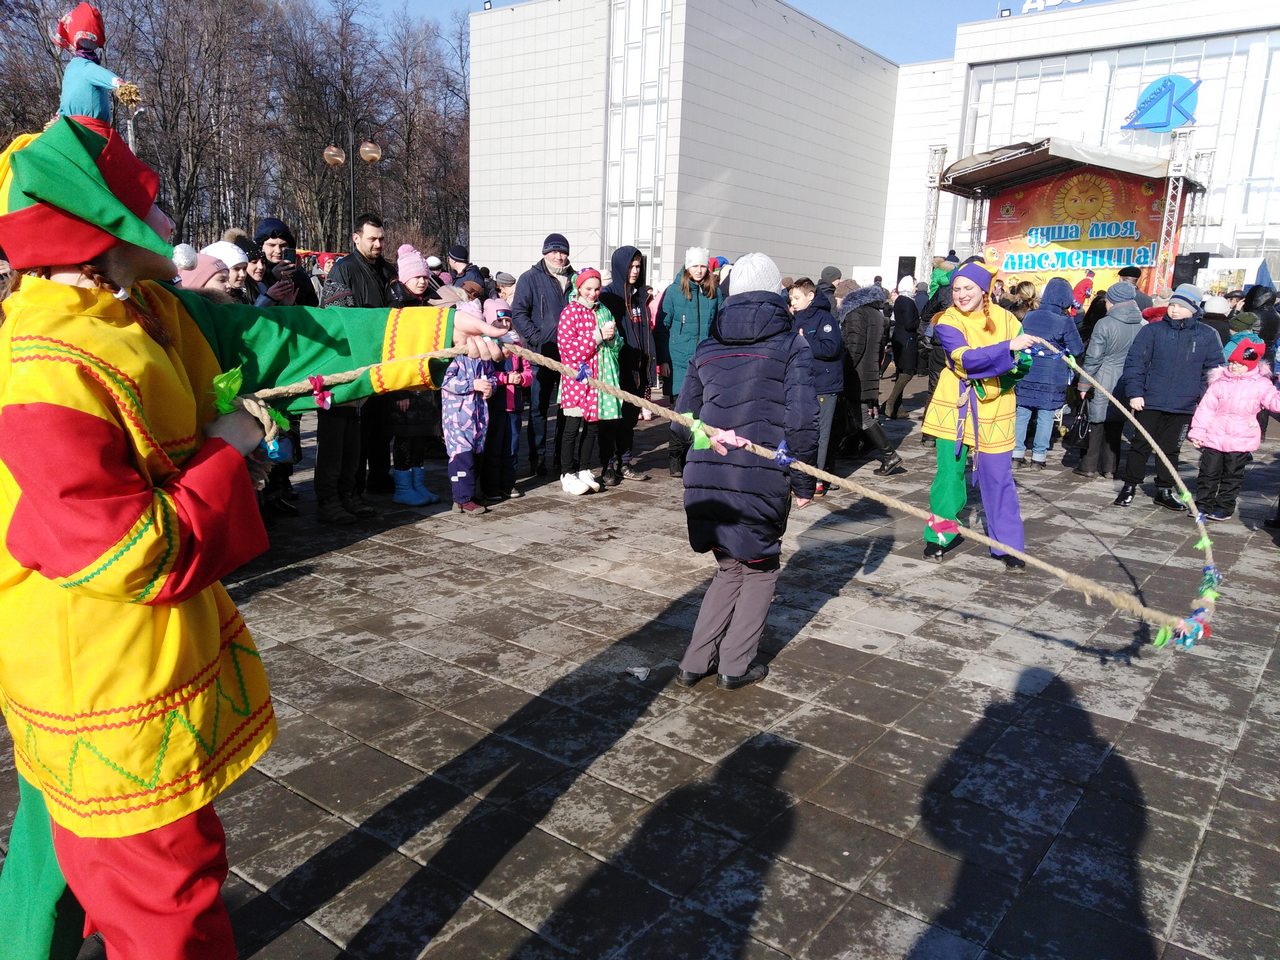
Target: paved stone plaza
[944,762]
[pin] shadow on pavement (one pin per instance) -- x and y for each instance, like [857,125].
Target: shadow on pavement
[1084,897]
[520,770]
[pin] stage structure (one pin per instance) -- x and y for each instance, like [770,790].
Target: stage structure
[1056,208]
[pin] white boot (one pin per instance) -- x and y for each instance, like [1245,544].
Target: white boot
[572,485]
[586,477]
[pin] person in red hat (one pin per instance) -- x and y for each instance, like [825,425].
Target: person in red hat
[1225,426]
[136,696]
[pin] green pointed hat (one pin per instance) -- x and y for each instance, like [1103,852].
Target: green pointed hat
[71,193]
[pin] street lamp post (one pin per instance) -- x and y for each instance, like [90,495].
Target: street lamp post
[335,156]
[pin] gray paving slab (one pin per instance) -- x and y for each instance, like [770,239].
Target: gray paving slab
[945,761]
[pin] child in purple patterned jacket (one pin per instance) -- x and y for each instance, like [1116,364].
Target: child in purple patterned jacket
[467,386]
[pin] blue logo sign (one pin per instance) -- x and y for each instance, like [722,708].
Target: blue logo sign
[1166,104]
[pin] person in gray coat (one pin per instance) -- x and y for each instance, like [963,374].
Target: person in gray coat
[1104,360]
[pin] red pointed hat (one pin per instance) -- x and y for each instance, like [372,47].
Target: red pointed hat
[82,23]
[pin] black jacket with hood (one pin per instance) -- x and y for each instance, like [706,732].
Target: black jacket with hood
[629,304]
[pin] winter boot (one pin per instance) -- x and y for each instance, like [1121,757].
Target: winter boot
[890,462]
[406,493]
[420,485]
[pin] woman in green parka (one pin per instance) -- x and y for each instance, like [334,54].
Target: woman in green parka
[689,306]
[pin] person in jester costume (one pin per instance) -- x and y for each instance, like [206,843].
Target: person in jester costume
[132,690]
[973,408]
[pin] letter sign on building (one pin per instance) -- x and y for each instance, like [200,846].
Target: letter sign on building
[1166,104]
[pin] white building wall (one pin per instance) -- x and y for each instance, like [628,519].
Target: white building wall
[538,116]
[1077,72]
[781,129]
[926,114]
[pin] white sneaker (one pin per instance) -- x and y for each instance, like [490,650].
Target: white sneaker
[572,485]
[586,477]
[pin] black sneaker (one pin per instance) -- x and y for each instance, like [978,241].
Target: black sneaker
[1217,516]
[1125,496]
[755,673]
[630,473]
[1012,564]
[334,513]
[1165,497]
[359,508]
[934,551]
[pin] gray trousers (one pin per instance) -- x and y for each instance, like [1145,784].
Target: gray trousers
[731,619]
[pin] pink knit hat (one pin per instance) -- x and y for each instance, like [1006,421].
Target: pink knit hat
[495,309]
[206,269]
[410,263]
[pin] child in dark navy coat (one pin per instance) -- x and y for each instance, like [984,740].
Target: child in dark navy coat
[752,375]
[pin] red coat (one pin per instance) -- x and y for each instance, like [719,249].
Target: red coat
[577,334]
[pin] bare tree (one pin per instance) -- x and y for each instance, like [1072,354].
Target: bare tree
[241,97]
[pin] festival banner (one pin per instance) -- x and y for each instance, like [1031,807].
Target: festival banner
[1087,219]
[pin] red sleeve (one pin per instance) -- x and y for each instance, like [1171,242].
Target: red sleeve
[86,516]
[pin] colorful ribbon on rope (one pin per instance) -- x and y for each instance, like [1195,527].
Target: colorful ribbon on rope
[783,456]
[702,440]
[584,372]
[322,397]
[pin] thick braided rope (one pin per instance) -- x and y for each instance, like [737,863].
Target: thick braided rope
[1206,599]
[1089,588]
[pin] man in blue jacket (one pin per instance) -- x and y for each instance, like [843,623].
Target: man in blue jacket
[541,293]
[813,320]
[1164,378]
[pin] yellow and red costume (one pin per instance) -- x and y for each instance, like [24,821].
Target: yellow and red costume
[133,692]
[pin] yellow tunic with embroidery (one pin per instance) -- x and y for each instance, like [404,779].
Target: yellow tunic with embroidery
[131,687]
[997,411]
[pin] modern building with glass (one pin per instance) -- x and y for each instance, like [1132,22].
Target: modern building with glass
[744,124]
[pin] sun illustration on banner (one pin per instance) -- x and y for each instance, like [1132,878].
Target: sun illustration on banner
[1084,198]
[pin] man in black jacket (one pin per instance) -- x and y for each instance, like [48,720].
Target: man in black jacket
[461,267]
[349,435]
[541,293]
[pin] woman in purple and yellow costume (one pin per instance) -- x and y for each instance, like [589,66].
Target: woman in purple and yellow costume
[974,408]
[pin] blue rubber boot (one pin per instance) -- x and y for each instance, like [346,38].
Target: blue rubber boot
[420,485]
[406,492]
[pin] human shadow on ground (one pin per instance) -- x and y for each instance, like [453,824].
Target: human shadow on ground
[689,846]
[470,818]
[1045,871]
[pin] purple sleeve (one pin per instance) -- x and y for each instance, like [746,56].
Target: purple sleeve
[978,362]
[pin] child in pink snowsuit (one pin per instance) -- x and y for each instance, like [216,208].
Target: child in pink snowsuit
[1225,426]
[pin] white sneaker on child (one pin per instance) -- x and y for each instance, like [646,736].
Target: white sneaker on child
[572,485]
[586,477]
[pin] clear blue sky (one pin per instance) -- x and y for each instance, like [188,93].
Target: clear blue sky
[906,31]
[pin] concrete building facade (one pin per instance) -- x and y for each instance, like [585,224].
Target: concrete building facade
[745,124]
